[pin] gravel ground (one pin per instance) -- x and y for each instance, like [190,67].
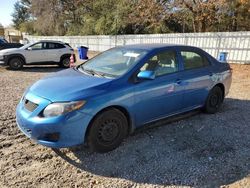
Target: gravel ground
[198,151]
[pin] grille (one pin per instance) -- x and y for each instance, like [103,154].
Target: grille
[30,105]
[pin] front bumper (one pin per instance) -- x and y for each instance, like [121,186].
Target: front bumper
[3,60]
[56,132]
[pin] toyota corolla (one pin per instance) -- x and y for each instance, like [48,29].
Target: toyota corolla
[105,99]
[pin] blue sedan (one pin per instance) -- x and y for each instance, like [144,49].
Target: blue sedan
[105,99]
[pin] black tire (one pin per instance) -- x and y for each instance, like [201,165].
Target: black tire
[107,131]
[15,63]
[214,100]
[65,62]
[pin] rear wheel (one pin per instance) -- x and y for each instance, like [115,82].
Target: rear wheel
[107,131]
[65,62]
[214,100]
[16,63]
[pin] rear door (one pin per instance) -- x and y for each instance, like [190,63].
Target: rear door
[162,96]
[54,51]
[196,76]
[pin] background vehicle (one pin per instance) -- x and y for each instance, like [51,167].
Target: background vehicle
[42,52]
[4,44]
[103,100]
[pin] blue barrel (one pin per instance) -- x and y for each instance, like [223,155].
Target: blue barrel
[223,57]
[83,51]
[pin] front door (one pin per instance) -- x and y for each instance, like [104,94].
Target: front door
[162,96]
[36,53]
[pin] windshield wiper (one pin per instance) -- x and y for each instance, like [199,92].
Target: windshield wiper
[92,72]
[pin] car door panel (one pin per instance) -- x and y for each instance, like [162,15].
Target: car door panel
[162,96]
[35,54]
[155,99]
[198,82]
[53,52]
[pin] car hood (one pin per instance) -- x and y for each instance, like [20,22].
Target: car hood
[7,51]
[69,85]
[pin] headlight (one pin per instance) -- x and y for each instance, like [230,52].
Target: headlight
[56,109]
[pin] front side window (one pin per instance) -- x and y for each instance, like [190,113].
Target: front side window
[37,46]
[114,62]
[192,60]
[162,63]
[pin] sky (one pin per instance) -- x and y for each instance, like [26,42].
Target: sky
[6,9]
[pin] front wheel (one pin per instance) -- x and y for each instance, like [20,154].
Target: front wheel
[107,131]
[15,63]
[214,100]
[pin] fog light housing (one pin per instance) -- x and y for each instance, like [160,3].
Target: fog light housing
[50,137]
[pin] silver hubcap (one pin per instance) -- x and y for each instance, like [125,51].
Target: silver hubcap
[66,62]
[16,64]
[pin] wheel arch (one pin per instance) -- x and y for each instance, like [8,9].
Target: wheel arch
[222,87]
[64,56]
[117,107]
[16,56]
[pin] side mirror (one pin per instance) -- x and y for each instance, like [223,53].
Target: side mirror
[146,75]
[29,48]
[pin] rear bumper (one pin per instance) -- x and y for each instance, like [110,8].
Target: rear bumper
[227,82]
[56,132]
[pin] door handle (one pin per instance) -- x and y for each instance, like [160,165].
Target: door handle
[211,74]
[178,81]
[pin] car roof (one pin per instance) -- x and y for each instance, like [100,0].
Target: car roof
[54,41]
[154,46]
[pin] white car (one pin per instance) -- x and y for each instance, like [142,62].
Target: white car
[41,52]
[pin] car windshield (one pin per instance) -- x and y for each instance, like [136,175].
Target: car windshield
[113,63]
[25,46]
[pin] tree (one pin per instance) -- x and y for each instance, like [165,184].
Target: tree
[147,16]
[48,17]
[238,15]
[200,14]
[111,17]
[21,13]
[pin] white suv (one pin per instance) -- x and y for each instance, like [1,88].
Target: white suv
[42,52]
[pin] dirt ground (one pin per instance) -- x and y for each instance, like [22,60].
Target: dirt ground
[200,151]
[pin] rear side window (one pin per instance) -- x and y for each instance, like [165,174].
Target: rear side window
[58,46]
[193,60]
[50,45]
